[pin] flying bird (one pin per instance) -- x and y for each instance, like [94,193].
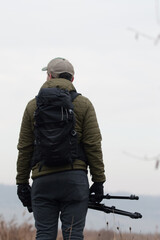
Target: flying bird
[139,34]
[145,158]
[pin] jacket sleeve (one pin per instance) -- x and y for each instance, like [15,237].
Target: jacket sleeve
[25,148]
[92,144]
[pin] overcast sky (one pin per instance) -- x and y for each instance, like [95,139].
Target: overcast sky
[119,74]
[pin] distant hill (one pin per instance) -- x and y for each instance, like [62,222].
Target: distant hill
[148,206]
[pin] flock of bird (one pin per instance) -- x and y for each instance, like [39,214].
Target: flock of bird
[155,40]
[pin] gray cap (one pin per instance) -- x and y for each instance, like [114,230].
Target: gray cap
[59,65]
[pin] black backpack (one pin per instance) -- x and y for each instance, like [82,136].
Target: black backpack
[55,136]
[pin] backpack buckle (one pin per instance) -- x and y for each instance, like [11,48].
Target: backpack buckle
[73,133]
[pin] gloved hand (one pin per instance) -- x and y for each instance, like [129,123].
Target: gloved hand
[97,189]
[24,194]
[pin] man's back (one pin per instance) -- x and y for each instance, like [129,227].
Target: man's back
[86,127]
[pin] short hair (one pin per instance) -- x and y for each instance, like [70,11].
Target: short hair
[65,75]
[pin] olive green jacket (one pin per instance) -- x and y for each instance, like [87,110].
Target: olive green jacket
[88,133]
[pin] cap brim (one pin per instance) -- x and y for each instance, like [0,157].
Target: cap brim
[44,69]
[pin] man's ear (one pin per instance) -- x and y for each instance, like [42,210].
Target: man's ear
[49,76]
[72,79]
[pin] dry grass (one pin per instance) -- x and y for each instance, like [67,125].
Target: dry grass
[13,231]
[111,235]
[26,231]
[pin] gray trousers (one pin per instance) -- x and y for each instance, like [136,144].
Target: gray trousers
[63,195]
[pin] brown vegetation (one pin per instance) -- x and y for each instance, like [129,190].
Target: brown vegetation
[13,231]
[26,231]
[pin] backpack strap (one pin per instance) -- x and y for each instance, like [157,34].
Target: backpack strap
[74,94]
[81,151]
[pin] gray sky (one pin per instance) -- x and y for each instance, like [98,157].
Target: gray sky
[119,74]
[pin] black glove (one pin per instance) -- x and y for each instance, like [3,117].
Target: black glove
[97,189]
[24,194]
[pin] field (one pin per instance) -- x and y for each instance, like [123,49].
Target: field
[26,231]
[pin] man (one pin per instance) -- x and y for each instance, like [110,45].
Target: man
[64,189]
